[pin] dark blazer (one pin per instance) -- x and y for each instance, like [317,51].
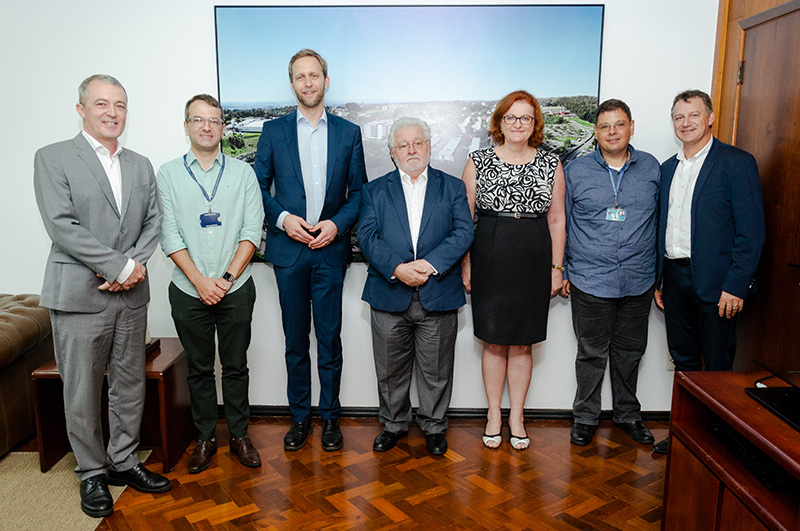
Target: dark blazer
[90,235]
[445,234]
[278,162]
[727,222]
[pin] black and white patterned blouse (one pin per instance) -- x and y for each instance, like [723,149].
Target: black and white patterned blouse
[504,187]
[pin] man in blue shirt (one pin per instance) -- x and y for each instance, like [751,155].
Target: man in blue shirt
[610,267]
[212,224]
[310,165]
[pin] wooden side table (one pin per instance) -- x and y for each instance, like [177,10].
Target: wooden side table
[167,422]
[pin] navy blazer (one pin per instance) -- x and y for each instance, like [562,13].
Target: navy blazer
[727,222]
[445,234]
[278,162]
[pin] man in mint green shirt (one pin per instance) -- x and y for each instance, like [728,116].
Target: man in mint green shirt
[213,216]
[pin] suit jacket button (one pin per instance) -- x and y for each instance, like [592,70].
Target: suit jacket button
[302,196]
[122,231]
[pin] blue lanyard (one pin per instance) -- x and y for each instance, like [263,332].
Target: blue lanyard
[615,184]
[216,185]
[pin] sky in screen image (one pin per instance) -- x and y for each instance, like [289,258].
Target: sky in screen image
[405,54]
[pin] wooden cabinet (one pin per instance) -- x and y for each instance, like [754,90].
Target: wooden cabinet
[706,487]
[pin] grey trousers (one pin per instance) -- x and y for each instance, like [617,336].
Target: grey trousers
[610,331]
[85,344]
[402,340]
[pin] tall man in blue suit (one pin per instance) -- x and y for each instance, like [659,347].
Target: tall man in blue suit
[415,227]
[711,232]
[315,161]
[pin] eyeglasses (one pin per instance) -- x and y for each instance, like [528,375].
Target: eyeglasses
[525,119]
[199,122]
[418,145]
[605,128]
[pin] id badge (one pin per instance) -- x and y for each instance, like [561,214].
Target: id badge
[210,219]
[615,214]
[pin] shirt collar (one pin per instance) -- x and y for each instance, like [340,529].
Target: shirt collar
[96,145]
[322,119]
[600,160]
[190,158]
[697,156]
[423,177]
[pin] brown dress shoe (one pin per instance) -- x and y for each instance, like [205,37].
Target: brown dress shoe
[247,453]
[201,456]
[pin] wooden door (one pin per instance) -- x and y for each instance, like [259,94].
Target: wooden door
[768,126]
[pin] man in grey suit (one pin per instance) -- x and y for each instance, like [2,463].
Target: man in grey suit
[100,207]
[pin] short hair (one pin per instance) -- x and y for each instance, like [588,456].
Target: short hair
[102,78]
[407,121]
[687,95]
[496,133]
[307,52]
[205,98]
[612,105]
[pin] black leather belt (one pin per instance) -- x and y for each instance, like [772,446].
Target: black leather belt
[516,215]
[681,262]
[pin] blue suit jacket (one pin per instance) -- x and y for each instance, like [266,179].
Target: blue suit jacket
[278,162]
[445,234]
[727,222]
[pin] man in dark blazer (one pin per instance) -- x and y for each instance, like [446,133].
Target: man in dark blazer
[315,161]
[415,227]
[711,233]
[100,207]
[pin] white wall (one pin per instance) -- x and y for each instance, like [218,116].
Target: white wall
[163,51]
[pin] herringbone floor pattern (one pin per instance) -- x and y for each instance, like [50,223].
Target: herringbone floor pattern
[613,483]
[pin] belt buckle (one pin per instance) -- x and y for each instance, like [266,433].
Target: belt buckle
[517,216]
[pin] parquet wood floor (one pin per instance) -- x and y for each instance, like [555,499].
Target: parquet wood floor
[614,483]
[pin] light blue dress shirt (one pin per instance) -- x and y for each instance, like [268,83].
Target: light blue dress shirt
[312,145]
[238,201]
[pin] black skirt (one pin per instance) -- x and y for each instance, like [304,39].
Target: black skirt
[511,277]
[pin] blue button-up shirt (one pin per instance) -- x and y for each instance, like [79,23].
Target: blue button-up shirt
[605,258]
[238,201]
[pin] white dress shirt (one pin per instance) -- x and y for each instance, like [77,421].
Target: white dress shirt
[679,216]
[110,163]
[415,201]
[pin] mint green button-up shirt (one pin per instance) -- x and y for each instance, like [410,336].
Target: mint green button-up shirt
[238,201]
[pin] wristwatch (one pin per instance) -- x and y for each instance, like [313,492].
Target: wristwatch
[229,277]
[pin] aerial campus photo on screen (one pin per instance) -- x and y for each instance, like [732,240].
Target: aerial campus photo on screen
[448,65]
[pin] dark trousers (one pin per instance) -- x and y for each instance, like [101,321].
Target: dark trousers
[311,283]
[196,324]
[696,334]
[401,340]
[609,331]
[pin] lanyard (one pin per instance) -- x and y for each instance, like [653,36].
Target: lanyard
[615,184]
[216,185]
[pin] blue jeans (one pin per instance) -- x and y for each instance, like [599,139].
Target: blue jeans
[610,331]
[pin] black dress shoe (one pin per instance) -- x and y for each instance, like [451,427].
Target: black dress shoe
[296,437]
[637,431]
[201,456]
[436,443]
[582,434]
[386,440]
[332,438]
[96,500]
[140,479]
[661,447]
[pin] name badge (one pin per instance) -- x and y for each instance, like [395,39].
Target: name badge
[210,219]
[615,214]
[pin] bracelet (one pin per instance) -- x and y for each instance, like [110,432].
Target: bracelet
[559,267]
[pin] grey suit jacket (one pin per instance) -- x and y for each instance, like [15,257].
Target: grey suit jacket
[90,235]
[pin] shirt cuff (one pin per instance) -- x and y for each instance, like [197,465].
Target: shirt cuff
[126,271]
[281,218]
